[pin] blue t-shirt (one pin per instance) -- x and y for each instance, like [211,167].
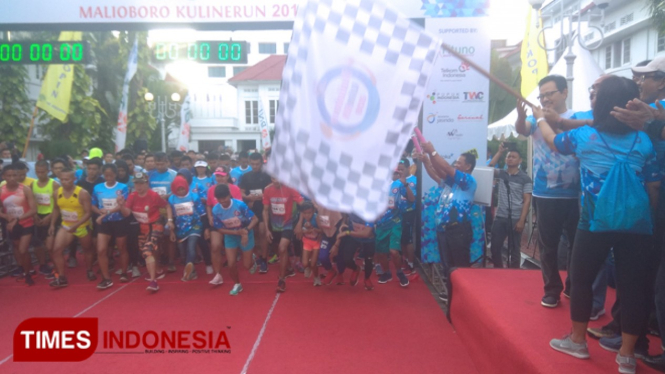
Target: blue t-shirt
[161,182]
[555,176]
[405,205]
[356,224]
[187,217]
[104,197]
[79,174]
[596,161]
[237,216]
[582,115]
[202,185]
[392,215]
[456,208]
[237,173]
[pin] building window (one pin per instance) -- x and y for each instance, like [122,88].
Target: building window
[661,42]
[274,105]
[216,71]
[626,51]
[616,58]
[608,57]
[238,69]
[286,48]
[251,112]
[267,48]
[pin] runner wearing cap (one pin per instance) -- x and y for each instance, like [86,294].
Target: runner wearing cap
[203,179]
[144,204]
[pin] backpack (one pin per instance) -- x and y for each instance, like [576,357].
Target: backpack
[623,203]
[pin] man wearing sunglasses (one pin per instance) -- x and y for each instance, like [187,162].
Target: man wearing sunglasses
[555,187]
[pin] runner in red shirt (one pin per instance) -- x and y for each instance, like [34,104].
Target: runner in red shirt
[278,203]
[145,204]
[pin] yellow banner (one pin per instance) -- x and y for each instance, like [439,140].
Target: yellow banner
[534,57]
[56,91]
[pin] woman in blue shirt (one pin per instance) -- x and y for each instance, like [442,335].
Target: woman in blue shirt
[598,149]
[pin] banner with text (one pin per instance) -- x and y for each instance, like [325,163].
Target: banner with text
[456,108]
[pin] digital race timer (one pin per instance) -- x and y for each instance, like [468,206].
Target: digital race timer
[22,52]
[205,52]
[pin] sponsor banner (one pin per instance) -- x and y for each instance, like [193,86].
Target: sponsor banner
[456,107]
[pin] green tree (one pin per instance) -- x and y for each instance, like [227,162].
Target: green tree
[15,106]
[657,9]
[501,102]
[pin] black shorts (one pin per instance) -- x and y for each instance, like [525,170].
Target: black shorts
[116,229]
[41,232]
[277,236]
[19,231]
[408,221]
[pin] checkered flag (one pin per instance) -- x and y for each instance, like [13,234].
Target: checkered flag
[352,87]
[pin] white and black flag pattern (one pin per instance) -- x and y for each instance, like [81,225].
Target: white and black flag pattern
[352,88]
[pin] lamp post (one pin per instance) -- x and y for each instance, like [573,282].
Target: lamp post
[573,14]
[165,108]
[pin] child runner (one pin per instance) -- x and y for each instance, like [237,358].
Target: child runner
[144,204]
[106,201]
[185,206]
[73,205]
[278,202]
[18,209]
[310,233]
[233,219]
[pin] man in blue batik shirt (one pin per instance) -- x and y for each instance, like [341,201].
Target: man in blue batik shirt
[454,233]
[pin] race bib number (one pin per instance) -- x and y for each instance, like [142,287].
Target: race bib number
[256,192]
[15,211]
[141,217]
[232,223]
[161,191]
[391,202]
[109,204]
[43,199]
[278,209]
[325,221]
[68,216]
[184,209]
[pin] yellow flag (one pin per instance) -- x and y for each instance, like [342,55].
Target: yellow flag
[534,57]
[56,91]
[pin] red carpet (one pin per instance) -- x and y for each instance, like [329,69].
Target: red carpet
[332,329]
[498,315]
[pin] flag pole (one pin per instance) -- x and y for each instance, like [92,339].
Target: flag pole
[32,126]
[488,75]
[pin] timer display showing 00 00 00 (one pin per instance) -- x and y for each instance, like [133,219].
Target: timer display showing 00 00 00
[210,52]
[73,52]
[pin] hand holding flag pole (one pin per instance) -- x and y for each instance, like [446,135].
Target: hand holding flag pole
[489,76]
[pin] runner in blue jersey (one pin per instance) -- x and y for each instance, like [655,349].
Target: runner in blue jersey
[160,180]
[235,221]
[239,171]
[107,200]
[184,219]
[388,230]
[407,207]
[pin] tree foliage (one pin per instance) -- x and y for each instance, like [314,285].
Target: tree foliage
[15,106]
[501,102]
[657,9]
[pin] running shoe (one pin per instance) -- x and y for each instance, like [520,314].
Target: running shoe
[217,280]
[252,270]
[91,275]
[308,272]
[568,346]
[273,259]
[281,285]
[194,275]
[124,278]
[118,272]
[595,314]
[354,276]
[263,266]
[317,282]
[59,282]
[299,267]
[406,270]
[135,272]
[171,268]
[189,268]
[385,278]
[549,301]
[340,279]
[45,269]
[290,273]
[237,288]
[332,273]
[104,284]
[153,286]
[368,284]
[403,280]
[72,263]
[209,269]
[378,269]
[627,364]
[601,332]
[50,276]
[29,281]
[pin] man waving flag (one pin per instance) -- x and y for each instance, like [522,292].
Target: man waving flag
[352,87]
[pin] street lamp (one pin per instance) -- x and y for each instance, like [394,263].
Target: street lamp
[164,108]
[573,14]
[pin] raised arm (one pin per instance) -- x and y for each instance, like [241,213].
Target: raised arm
[521,125]
[441,166]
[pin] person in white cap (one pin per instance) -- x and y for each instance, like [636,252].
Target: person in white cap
[203,180]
